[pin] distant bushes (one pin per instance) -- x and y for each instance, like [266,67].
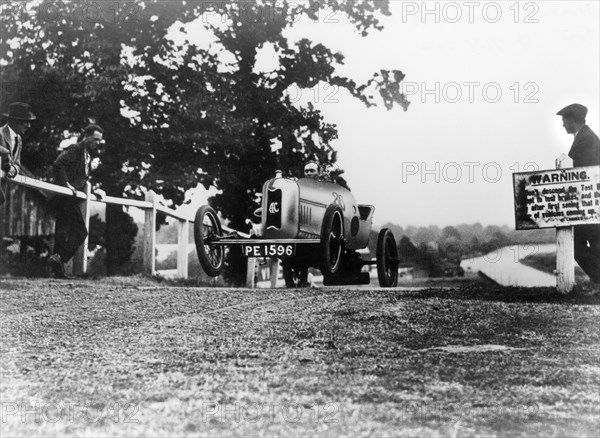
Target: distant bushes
[440,251]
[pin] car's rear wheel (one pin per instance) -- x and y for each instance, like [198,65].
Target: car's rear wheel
[295,276]
[387,259]
[207,229]
[332,241]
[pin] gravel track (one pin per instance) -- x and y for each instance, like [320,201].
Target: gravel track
[128,356]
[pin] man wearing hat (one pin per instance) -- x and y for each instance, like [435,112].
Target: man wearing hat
[585,151]
[19,117]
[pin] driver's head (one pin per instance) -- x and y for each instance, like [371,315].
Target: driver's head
[311,170]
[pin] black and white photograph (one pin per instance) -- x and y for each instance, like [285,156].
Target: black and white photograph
[309,218]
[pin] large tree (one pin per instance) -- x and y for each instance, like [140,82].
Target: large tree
[176,114]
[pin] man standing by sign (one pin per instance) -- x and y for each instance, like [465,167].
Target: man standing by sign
[585,151]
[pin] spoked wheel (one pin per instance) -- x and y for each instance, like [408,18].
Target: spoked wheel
[387,259]
[207,228]
[295,276]
[332,241]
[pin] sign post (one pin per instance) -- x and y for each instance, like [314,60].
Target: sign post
[80,261]
[565,252]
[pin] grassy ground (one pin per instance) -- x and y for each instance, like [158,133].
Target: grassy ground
[127,357]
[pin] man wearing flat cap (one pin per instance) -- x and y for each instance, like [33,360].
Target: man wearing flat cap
[585,151]
[19,117]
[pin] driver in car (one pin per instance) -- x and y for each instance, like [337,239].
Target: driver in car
[311,170]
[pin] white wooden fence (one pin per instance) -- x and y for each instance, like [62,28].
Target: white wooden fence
[149,205]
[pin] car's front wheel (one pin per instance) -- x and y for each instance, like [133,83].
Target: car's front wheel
[207,229]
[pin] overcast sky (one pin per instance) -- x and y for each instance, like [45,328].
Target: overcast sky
[485,80]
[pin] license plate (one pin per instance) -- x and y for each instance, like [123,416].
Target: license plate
[269,249]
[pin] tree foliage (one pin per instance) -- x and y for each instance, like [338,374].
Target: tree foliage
[177,114]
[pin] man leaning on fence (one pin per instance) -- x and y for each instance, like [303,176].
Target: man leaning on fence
[72,169]
[585,151]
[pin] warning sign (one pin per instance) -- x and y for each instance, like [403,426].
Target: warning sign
[557,198]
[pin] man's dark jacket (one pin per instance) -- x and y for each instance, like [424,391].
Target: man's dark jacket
[11,155]
[71,166]
[585,150]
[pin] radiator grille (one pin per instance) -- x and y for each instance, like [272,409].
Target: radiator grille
[305,214]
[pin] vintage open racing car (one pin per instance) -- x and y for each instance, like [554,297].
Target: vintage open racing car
[304,223]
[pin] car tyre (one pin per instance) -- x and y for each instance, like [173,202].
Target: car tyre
[207,228]
[387,259]
[332,241]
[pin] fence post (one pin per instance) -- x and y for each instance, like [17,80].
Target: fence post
[274,271]
[150,235]
[250,272]
[80,260]
[565,252]
[183,237]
